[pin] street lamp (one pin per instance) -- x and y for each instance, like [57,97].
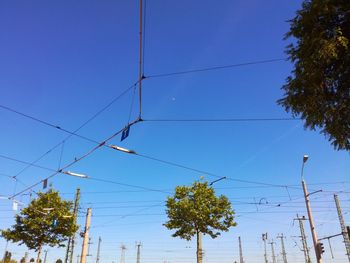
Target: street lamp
[305,158]
[309,212]
[217,180]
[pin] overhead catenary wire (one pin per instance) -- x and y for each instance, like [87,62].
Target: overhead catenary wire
[59,128]
[165,161]
[128,185]
[155,159]
[143,188]
[257,62]
[74,161]
[209,173]
[27,163]
[223,120]
[168,163]
[74,133]
[141,77]
[123,184]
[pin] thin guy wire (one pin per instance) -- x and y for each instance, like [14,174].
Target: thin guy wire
[60,158]
[132,103]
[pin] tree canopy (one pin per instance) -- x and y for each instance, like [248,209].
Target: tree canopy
[318,90]
[196,209]
[47,220]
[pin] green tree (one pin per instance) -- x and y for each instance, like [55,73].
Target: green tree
[59,261]
[318,90]
[8,260]
[196,210]
[7,257]
[47,220]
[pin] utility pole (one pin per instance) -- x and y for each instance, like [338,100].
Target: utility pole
[317,245]
[343,227]
[45,257]
[273,251]
[98,250]
[303,239]
[284,254]
[264,238]
[84,249]
[138,259]
[78,258]
[71,240]
[122,257]
[240,251]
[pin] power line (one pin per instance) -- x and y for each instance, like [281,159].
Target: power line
[157,159]
[128,185]
[59,128]
[74,161]
[160,160]
[74,133]
[27,163]
[209,173]
[223,120]
[215,68]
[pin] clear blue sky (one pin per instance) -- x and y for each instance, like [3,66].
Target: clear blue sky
[62,61]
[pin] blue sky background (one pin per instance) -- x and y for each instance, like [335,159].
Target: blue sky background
[63,61]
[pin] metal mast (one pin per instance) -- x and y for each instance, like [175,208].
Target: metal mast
[240,251]
[264,238]
[343,227]
[122,257]
[284,254]
[303,239]
[71,240]
[138,259]
[98,250]
[273,252]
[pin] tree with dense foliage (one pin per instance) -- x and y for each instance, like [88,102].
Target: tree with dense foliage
[47,220]
[318,89]
[8,258]
[196,210]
